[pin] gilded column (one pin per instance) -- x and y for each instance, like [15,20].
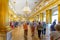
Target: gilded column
[48,16]
[59,13]
[3,18]
[41,17]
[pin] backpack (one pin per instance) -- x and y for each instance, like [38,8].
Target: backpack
[39,27]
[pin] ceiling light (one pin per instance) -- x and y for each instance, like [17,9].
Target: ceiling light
[26,9]
[14,16]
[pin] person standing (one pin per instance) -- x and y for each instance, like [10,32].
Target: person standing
[52,26]
[25,27]
[12,25]
[44,28]
[39,29]
[33,25]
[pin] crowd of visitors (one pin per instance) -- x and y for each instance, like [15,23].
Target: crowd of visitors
[41,28]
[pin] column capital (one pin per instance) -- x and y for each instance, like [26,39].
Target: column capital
[49,10]
[58,4]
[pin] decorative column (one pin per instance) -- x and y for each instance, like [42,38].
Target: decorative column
[59,13]
[38,18]
[48,16]
[3,18]
[41,17]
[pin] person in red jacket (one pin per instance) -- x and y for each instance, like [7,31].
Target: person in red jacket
[11,24]
[25,27]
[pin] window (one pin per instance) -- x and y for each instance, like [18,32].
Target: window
[55,16]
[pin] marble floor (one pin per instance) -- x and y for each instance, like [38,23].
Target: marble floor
[18,34]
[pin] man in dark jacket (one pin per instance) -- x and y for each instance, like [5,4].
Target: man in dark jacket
[52,26]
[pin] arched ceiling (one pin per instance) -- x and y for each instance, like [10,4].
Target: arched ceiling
[18,5]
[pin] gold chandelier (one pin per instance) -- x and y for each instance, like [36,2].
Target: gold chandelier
[26,9]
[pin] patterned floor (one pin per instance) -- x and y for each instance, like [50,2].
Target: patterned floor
[18,34]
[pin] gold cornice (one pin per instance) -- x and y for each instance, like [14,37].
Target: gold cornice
[50,5]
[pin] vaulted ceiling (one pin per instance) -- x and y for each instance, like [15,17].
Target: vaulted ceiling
[18,5]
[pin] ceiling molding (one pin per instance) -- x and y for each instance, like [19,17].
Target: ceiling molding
[50,5]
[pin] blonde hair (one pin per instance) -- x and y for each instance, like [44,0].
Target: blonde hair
[57,27]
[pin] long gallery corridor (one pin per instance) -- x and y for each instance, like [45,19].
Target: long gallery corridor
[18,34]
[29,19]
